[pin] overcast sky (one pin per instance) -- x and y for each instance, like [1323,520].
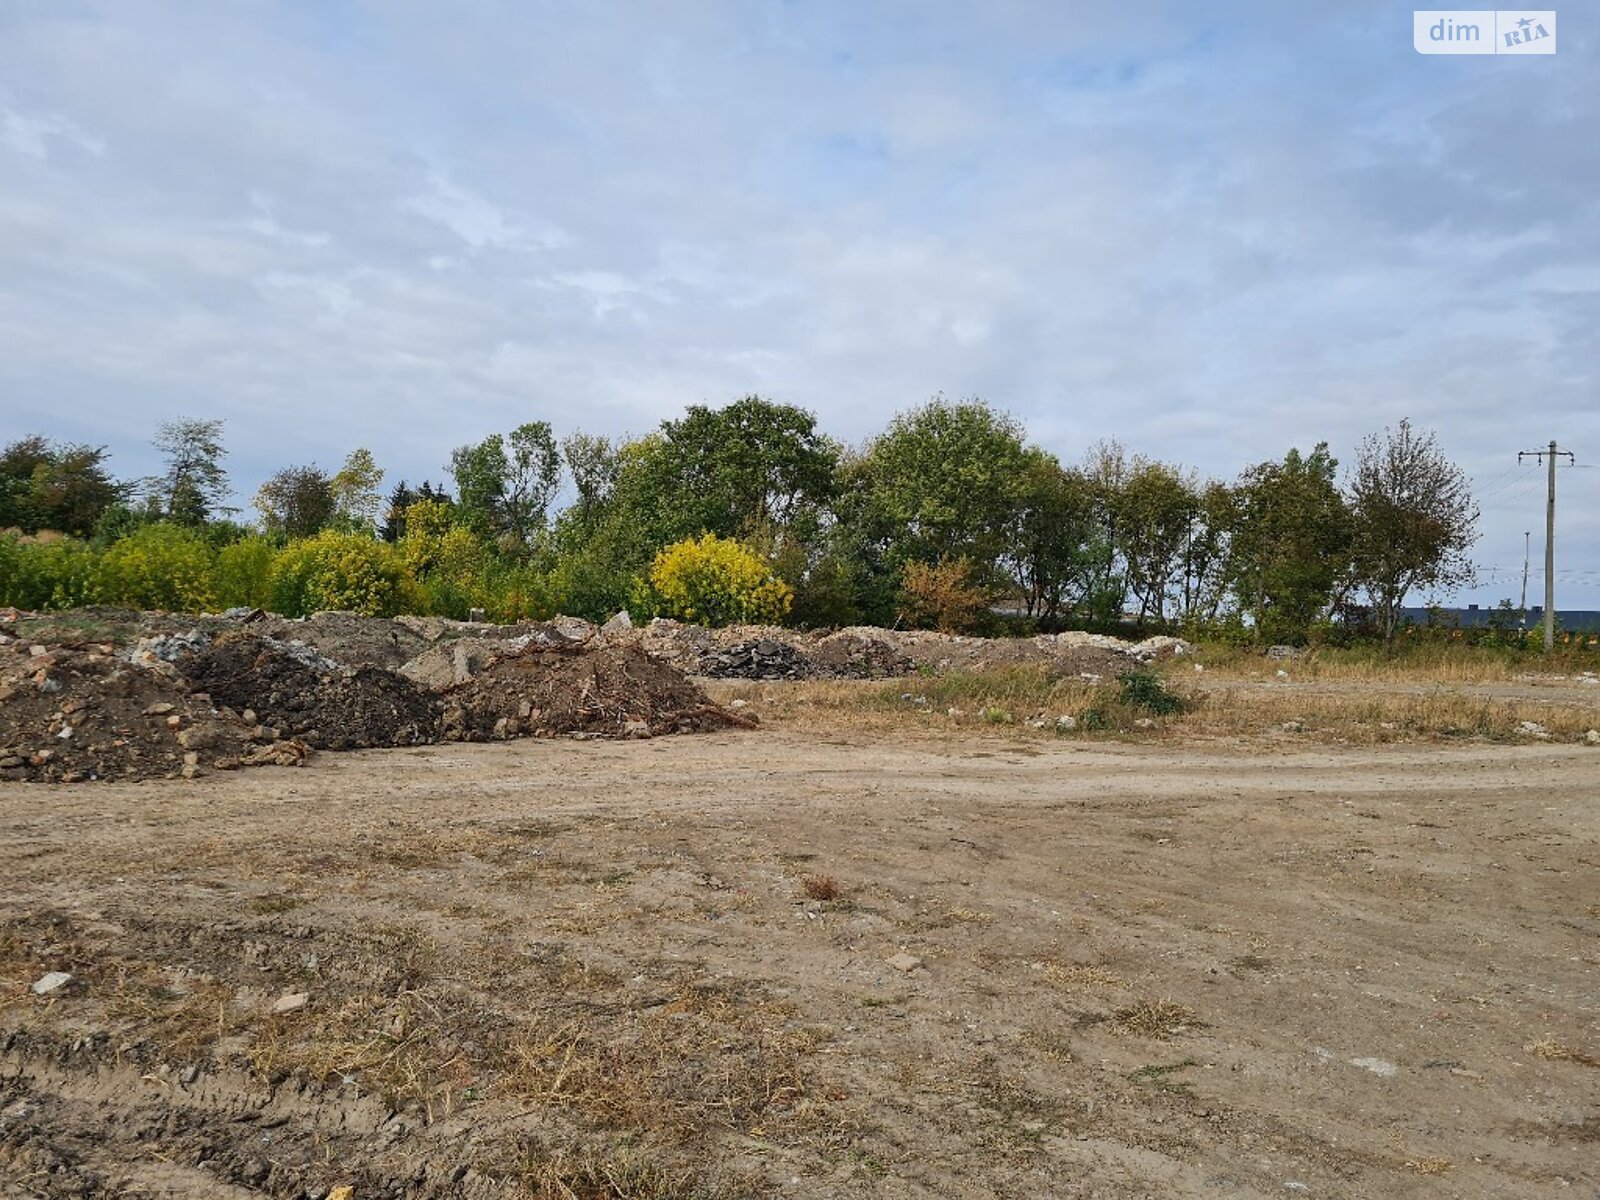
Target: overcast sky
[1213,231]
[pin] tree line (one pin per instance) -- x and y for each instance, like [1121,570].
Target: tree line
[949,517]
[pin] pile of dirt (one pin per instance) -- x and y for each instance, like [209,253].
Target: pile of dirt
[292,688]
[860,654]
[71,713]
[759,659]
[613,690]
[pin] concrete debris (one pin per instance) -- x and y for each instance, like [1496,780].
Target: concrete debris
[290,1002]
[54,981]
[903,962]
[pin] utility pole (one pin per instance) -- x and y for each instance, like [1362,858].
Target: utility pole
[1549,456]
[1527,534]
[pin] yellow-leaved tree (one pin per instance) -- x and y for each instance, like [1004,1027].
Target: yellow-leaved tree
[718,581]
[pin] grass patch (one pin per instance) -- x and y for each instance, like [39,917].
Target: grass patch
[1157,1019]
[1548,1048]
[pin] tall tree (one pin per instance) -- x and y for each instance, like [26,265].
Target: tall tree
[505,484]
[747,470]
[1413,520]
[60,486]
[1290,542]
[296,502]
[195,483]
[1153,515]
[944,481]
[1052,550]
[354,489]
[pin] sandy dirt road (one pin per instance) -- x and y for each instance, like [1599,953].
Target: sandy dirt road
[1142,971]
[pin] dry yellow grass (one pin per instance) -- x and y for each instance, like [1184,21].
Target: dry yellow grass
[1030,700]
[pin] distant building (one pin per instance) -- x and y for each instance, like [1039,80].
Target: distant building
[1475,617]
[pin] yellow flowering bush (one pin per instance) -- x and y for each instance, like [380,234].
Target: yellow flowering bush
[718,581]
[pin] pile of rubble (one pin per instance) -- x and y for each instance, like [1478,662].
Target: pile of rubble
[762,658]
[605,691]
[71,713]
[229,692]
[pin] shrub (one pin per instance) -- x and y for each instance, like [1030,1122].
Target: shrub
[244,573]
[942,596]
[158,566]
[1145,690]
[717,581]
[40,575]
[341,571]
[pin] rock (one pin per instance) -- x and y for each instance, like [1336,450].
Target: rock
[1592,738]
[212,735]
[1292,727]
[1532,729]
[618,622]
[53,982]
[1066,721]
[903,962]
[159,709]
[1282,674]
[1378,1066]
[1144,723]
[289,1002]
[636,729]
[1283,652]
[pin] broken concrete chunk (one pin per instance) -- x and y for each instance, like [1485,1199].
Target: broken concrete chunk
[53,982]
[289,1002]
[903,962]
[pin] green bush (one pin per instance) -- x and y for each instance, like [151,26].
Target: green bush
[1145,690]
[244,573]
[41,575]
[341,571]
[158,566]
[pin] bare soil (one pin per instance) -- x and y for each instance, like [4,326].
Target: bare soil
[811,962]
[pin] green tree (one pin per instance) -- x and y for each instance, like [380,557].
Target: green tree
[195,484]
[45,485]
[1154,513]
[944,482]
[296,502]
[1290,542]
[1052,549]
[752,469]
[505,484]
[354,491]
[1413,520]
[594,463]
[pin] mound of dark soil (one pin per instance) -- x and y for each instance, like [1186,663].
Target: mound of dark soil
[292,688]
[71,713]
[849,655]
[609,691]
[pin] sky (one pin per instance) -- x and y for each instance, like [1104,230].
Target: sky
[1211,231]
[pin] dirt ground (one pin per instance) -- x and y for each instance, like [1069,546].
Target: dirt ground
[671,968]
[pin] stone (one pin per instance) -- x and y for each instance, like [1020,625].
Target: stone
[289,1002]
[620,621]
[53,982]
[211,735]
[174,721]
[1592,738]
[1532,729]
[903,962]
[1378,1066]
[1066,721]
[636,729]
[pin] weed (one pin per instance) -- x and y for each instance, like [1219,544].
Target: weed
[1145,690]
[1158,1019]
[1547,1047]
[1158,1076]
[821,887]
